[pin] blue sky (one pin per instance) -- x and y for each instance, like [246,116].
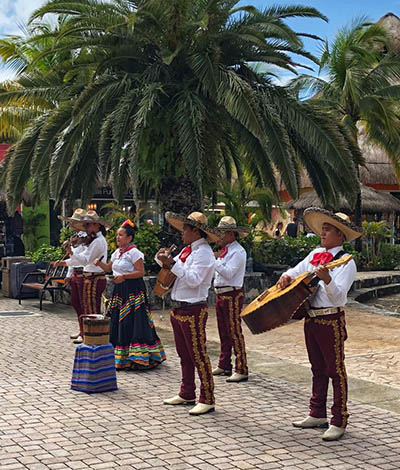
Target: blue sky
[339,12]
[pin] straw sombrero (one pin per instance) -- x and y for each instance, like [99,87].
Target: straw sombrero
[93,217]
[315,217]
[195,219]
[228,224]
[76,220]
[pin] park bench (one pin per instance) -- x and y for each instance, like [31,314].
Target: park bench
[50,280]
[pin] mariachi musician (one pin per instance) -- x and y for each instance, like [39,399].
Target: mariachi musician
[194,269]
[230,267]
[325,326]
[74,274]
[93,280]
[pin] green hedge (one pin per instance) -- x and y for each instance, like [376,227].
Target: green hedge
[285,250]
[387,260]
[290,251]
[46,253]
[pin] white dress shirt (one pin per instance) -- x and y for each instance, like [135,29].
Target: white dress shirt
[125,263]
[229,270]
[333,294]
[194,276]
[78,249]
[96,249]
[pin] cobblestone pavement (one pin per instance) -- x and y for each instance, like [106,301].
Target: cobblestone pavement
[45,425]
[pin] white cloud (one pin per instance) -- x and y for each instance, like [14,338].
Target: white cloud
[14,13]
[6,75]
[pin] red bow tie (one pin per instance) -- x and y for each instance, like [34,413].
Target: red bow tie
[223,252]
[322,257]
[185,253]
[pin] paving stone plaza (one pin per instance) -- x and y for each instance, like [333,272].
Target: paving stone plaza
[45,425]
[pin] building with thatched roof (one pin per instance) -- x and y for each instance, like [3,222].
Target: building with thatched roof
[373,202]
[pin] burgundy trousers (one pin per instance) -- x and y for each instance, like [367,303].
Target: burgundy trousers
[228,308]
[189,326]
[76,297]
[325,337]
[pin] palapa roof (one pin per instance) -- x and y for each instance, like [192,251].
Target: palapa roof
[378,168]
[372,201]
[391,23]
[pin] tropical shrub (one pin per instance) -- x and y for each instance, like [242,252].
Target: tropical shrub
[285,250]
[46,253]
[290,251]
[148,243]
[66,233]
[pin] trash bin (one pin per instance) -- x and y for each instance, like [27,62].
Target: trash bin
[6,265]
[17,273]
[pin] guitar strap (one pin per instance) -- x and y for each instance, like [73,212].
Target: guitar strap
[315,281]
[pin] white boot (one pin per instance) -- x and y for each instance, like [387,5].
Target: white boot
[219,371]
[311,422]
[177,400]
[235,377]
[201,409]
[333,433]
[78,340]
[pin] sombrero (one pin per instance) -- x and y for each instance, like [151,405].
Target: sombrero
[195,219]
[76,220]
[315,217]
[93,217]
[228,224]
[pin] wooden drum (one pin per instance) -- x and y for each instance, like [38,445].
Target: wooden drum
[96,330]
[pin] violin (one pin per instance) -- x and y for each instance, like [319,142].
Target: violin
[76,240]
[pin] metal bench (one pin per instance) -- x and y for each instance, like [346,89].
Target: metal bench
[53,279]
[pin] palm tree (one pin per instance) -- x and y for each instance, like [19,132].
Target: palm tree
[359,82]
[171,93]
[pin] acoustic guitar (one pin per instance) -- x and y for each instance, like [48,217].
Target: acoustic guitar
[165,278]
[276,306]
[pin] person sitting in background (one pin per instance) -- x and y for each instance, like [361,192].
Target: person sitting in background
[292,228]
[132,330]
[278,230]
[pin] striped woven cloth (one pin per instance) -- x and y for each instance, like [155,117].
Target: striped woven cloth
[94,369]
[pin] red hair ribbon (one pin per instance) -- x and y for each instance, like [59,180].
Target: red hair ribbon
[128,222]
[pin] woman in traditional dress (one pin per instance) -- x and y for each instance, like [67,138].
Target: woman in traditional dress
[132,330]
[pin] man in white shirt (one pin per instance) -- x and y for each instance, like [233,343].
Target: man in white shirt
[74,274]
[194,269]
[230,267]
[325,327]
[92,282]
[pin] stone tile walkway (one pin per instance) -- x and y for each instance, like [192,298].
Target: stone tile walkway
[45,425]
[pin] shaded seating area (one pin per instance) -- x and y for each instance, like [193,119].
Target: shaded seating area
[50,280]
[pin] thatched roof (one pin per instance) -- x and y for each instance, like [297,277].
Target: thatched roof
[372,201]
[391,23]
[377,170]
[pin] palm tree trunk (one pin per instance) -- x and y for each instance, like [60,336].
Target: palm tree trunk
[181,196]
